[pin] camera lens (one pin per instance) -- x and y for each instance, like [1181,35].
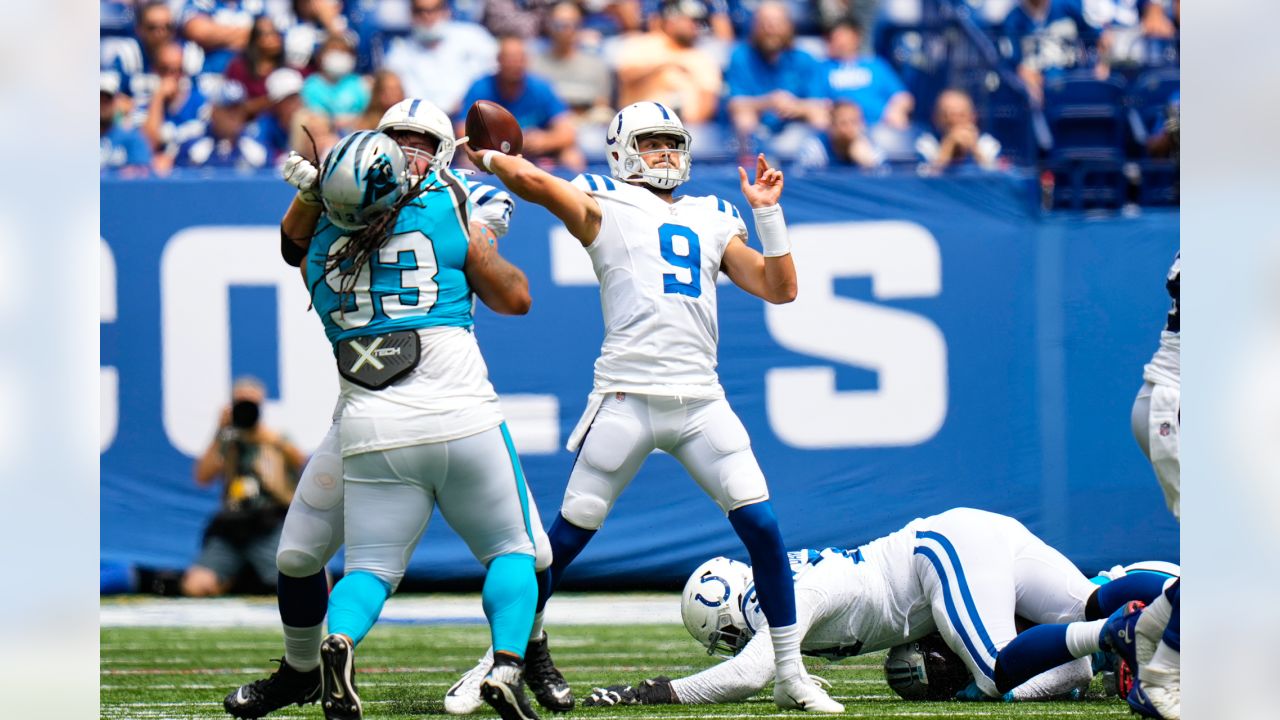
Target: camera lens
[244,414]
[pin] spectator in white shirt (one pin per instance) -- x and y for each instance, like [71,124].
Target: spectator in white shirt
[442,56]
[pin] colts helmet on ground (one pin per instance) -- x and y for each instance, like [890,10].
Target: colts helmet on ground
[362,177]
[711,605]
[925,670]
[421,116]
[622,150]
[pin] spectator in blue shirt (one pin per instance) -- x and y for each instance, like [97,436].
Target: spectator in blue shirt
[134,58]
[713,17]
[549,128]
[337,91]
[773,86]
[176,111]
[120,149]
[844,145]
[865,80]
[220,27]
[1047,36]
[272,128]
[224,143]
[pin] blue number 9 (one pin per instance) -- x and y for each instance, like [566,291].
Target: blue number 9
[692,261]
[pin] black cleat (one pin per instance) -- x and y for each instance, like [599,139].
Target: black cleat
[549,687]
[503,689]
[284,687]
[338,680]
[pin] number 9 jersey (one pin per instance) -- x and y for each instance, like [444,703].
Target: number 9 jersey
[657,263]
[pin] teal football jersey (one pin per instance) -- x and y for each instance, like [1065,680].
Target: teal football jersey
[415,280]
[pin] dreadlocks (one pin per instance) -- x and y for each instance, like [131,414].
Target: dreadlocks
[361,245]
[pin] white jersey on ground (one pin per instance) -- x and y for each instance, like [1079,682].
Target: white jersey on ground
[657,263]
[890,591]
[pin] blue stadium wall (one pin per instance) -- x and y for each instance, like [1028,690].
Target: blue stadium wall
[951,346]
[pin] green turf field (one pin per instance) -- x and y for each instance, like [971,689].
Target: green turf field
[403,670]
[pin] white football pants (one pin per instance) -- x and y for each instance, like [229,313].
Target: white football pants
[1156,421]
[313,527]
[704,435]
[978,570]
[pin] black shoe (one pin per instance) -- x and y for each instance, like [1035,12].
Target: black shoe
[548,685]
[503,689]
[338,679]
[283,687]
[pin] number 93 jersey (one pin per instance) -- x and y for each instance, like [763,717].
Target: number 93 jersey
[415,280]
[657,264]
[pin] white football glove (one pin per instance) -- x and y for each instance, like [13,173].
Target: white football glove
[300,173]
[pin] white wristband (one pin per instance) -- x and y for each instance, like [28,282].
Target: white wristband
[487,158]
[772,229]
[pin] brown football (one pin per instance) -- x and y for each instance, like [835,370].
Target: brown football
[491,127]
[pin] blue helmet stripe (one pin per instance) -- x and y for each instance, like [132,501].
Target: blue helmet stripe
[413,107]
[665,115]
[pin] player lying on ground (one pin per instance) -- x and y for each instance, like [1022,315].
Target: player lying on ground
[966,574]
[1153,644]
[657,257]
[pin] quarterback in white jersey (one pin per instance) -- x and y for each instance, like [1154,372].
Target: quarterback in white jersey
[1157,411]
[657,257]
[966,574]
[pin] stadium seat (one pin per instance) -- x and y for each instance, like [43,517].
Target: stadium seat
[1085,116]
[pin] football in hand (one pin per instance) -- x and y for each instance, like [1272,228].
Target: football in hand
[491,127]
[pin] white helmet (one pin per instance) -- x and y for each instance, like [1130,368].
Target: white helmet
[711,605]
[635,121]
[422,116]
[362,177]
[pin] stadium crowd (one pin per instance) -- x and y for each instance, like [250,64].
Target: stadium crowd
[877,85]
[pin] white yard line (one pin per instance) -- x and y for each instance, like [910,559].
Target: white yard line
[595,609]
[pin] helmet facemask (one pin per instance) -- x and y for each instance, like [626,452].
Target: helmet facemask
[423,162]
[638,165]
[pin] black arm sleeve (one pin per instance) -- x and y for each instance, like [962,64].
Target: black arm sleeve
[290,251]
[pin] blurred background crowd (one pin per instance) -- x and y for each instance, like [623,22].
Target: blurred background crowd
[1084,92]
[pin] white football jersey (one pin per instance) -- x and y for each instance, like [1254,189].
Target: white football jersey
[657,263]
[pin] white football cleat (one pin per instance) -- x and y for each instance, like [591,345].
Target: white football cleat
[464,697]
[1163,691]
[795,689]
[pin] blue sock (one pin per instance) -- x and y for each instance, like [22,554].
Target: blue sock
[509,596]
[356,603]
[1144,586]
[303,601]
[567,540]
[1032,652]
[757,527]
[1172,636]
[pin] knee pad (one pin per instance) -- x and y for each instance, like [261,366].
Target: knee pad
[298,563]
[542,550]
[585,511]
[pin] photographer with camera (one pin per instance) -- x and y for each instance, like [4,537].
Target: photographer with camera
[260,469]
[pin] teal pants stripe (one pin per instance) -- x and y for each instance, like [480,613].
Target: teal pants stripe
[521,487]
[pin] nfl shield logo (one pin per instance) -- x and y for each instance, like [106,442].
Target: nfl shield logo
[619,396]
[1165,429]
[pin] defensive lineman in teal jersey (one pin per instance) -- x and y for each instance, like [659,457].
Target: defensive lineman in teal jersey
[415,281]
[393,281]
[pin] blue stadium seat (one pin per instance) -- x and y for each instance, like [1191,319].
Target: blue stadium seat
[1085,116]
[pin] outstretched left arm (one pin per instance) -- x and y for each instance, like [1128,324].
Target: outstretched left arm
[771,276]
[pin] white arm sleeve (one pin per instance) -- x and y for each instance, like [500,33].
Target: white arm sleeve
[746,674]
[733,680]
[1055,682]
